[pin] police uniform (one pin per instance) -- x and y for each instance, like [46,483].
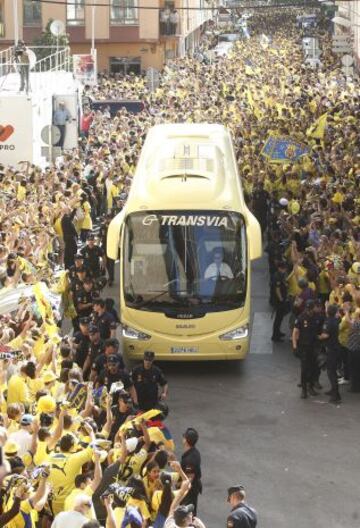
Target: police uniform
[105,322]
[242,515]
[146,382]
[82,296]
[307,325]
[92,257]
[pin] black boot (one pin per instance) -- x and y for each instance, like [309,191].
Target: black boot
[312,392]
[304,394]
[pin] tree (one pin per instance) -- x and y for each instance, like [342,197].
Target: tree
[48,39]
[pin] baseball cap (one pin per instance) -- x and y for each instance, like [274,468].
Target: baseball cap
[310,304]
[91,236]
[48,377]
[84,320]
[113,342]
[181,512]
[113,358]
[235,489]
[93,329]
[11,448]
[149,355]
[26,419]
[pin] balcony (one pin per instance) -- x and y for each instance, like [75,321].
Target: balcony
[169,23]
[2,29]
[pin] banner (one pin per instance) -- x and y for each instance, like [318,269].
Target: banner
[16,129]
[283,149]
[317,129]
[84,68]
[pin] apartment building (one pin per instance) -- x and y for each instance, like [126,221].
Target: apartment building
[130,35]
[347,22]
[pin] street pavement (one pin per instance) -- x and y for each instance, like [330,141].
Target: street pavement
[298,459]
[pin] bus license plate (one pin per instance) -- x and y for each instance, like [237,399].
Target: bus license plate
[184,350]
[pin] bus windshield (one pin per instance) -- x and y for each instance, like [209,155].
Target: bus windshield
[177,260]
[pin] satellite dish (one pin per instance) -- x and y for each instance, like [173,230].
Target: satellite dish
[57,28]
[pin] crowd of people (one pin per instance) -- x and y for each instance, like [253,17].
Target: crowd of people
[84,440]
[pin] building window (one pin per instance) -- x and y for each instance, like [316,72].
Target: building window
[32,13]
[123,12]
[125,66]
[75,13]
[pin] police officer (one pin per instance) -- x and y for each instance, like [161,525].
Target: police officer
[242,515]
[96,348]
[279,300]
[330,335]
[78,263]
[304,339]
[93,255]
[105,320]
[82,341]
[84,297]
[149,382]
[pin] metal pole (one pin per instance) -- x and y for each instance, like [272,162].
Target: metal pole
[92,30]
[16,22]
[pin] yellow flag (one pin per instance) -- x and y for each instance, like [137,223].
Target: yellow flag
[317,129]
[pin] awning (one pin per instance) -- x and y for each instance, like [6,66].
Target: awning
[341,21]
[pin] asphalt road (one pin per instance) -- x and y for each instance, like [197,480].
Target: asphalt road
[298,459]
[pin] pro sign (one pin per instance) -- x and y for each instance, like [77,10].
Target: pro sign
[16,130]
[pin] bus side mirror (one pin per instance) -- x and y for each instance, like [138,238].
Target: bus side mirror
[113,237]
[254,236]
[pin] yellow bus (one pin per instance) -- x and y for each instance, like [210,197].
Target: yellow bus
[186,241]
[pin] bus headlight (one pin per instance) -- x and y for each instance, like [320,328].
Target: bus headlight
[238,333]
[131,333]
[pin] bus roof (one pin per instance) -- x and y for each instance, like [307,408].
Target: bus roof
[186,166]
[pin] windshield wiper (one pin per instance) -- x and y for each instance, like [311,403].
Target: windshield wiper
[158,296]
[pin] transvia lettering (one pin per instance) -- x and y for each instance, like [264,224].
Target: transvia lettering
[188,220]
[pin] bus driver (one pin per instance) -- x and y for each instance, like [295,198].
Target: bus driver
[218,268]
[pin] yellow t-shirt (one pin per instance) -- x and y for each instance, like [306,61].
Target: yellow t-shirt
[119,513]
[41,454]
[70,500]
[86,221]
[21,193]
[131,466]
[156,500]
[344,331]
[64,468]
[18,391]
[150,487]
[26,518]
[292,281]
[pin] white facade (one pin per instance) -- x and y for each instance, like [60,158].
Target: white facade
[350,11]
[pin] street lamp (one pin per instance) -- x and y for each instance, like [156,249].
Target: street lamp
[16,22]
[93,30]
